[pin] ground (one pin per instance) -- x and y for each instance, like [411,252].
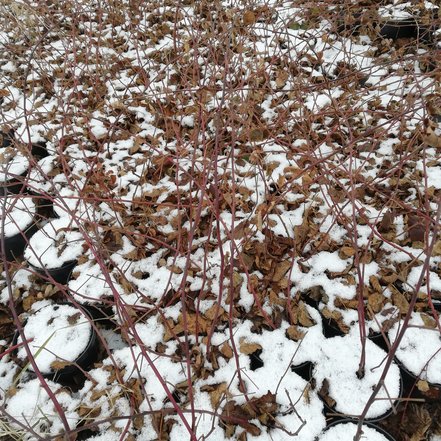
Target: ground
[242,185]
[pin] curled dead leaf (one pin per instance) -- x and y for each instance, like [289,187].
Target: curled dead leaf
[399,300]
[294,333]
[248,348]
[249,18]
[57,365]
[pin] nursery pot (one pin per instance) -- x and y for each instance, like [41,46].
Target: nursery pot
[54,250]
[19,225]
[406,28]
[62,340]
[344,430]
[60,275]
[419,356]
[346,393]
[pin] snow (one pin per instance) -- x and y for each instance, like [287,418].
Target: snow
[12,164]
[338,362]
[151,139]
[18,214]
[420,349]
[55,244]
[53,336]
[32,407]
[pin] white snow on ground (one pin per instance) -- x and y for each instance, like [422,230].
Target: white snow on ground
[169,150]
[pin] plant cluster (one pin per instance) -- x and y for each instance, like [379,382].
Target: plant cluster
[230,181]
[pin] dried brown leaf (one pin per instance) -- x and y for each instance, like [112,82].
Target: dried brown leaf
[226,350]
[248,348]
[400,301]
[376,301]
[60,364]
[280,270]
[249,18]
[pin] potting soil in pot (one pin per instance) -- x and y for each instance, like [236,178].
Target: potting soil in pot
[347,431]
[59,333]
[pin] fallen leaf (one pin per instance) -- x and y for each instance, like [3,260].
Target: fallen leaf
[423,385]
[294,333]
[57,365]
[73,319]
[248,348]
[226,350]
[387,222]
[399,300]
[303,316]
[346,252]
[376,301]
[324,394]
[280,270]
[415,228]
[249,18]
[428,321]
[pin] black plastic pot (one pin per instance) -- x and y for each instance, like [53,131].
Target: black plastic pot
[13,186]
[410,381]
[39,150]
[379,340]
[338,418]
[15,244]
[407,28]
[7,138]
[255,361]
[387,435]
[60,275]
[86,358]
[54,251]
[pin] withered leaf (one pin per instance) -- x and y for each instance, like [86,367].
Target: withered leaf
[376,301]
[294,333]
[387,222]
[428,321]
[303,317]
[73,319]
[280,270]
[249,18]
[248,348]
[399,300]
[415,228]
[233,414]
[60,364]
[89,412]
[423,385]
[218,394]
[346,252]
[324,394]
[226,350]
